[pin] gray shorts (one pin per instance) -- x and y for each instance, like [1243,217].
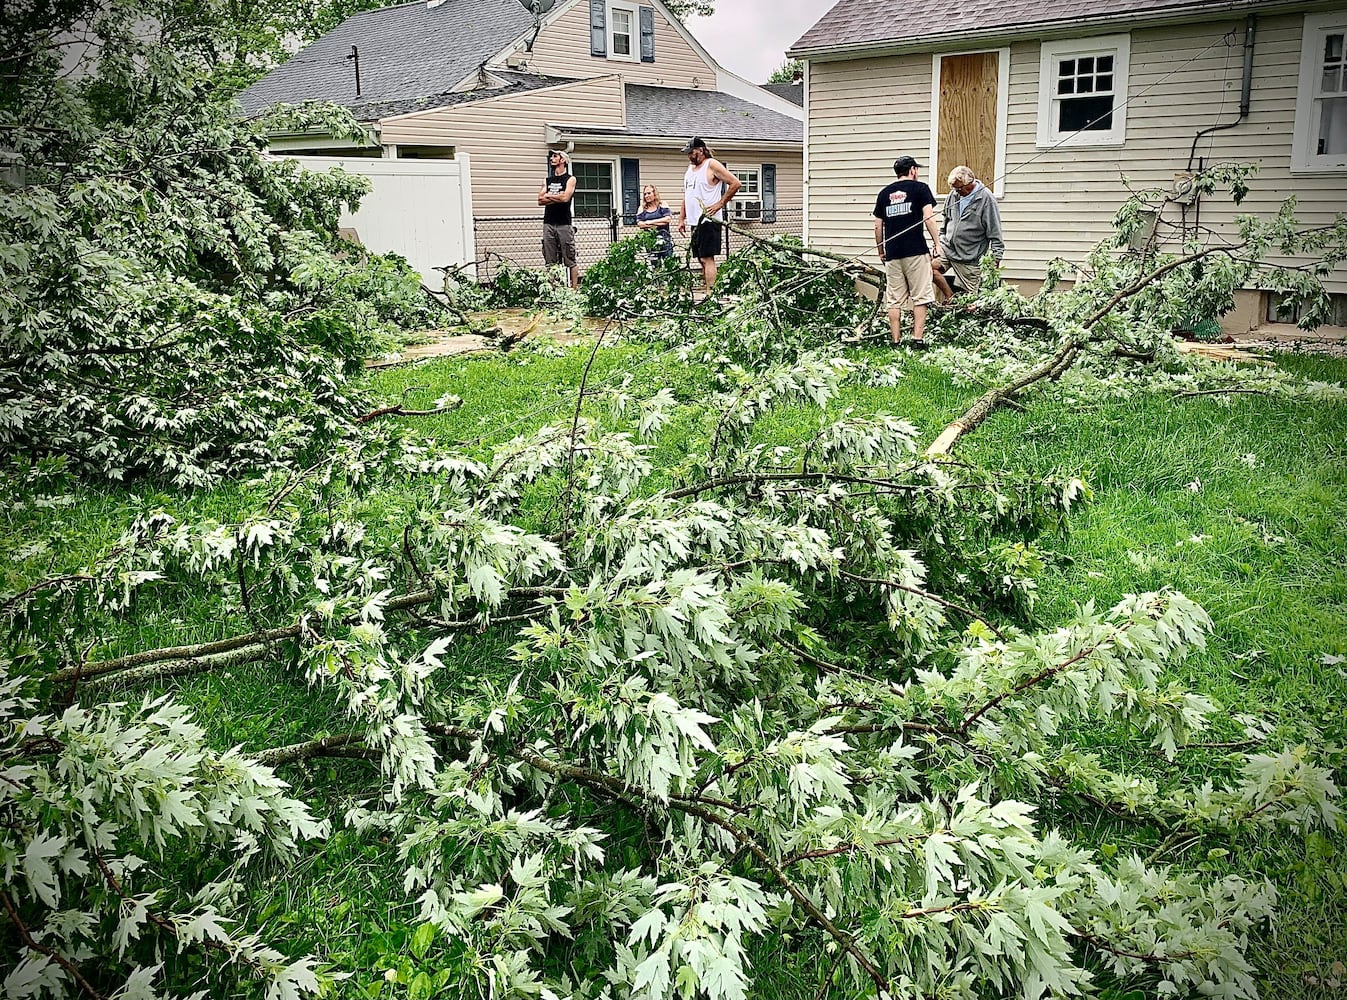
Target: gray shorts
[558,245]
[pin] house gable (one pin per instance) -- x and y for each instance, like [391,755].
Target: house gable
[577,39]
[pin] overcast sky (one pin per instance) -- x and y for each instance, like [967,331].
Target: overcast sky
[750,37]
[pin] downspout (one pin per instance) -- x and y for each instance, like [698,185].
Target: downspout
[1245,94]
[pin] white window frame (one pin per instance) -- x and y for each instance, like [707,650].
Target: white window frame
[614,188]
[740,204]
[998,184]
[1118,46]
[1304,159]
[634,13]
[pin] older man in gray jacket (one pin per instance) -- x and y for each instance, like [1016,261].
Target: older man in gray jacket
[972,228]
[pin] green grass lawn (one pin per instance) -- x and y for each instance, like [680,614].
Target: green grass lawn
[1239,505]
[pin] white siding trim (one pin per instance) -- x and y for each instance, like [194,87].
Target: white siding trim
[1304,160]
[998,185]
[1049,53]
[633,33]
[804,171]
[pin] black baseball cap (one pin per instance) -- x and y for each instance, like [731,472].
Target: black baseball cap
[903,164]
[696,142]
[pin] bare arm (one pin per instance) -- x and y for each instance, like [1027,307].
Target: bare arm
[717,170]
[666,220]
[932,227]
[560,198]
[879,237]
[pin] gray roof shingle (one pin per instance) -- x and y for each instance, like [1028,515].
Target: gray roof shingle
[407,52]
[793,92]
[514,83]
[863,23]
[668,112]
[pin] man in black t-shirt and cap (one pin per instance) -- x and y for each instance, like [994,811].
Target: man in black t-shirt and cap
[901,210]
[558,231]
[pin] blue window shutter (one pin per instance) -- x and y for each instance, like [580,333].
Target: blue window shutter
[647,34]
[631,190]
[768,192]
[598,28]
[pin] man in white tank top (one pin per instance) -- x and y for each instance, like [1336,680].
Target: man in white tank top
[707,189]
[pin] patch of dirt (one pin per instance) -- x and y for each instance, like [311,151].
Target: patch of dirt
[507,327]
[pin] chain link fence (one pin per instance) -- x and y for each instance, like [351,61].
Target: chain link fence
[518,239]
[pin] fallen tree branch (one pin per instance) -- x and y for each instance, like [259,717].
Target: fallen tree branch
[400,411]
[1061,360]
[692,807]
[1038,678]
[55,956]
[344,745]
[949,605]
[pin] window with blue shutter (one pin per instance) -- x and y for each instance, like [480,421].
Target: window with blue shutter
[769,192]
[631,190]
[647,34]
[598,27]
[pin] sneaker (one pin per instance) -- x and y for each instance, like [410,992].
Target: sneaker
[917,345]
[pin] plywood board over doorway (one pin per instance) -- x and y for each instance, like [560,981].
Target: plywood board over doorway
[967,124]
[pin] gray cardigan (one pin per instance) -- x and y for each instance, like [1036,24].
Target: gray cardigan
[973,232]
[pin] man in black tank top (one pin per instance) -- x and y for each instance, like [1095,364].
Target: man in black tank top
[558,231]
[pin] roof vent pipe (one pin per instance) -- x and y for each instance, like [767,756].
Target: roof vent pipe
[355,58]
[1245,91]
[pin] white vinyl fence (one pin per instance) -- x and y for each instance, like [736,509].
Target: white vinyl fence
[421,209]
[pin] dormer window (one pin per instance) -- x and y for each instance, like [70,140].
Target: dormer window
[622,39]
[621,30]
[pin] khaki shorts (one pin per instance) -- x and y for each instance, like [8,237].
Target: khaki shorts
[969,276]
[909,282]
[558,245]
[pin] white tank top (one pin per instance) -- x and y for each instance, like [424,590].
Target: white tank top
[700,188]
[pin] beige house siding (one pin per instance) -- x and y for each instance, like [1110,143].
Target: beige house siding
[562,49]
[665,170]
[506,137]
[1060,202]
[862,114]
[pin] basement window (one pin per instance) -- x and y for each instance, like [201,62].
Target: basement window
[1287,309]
[1082,98]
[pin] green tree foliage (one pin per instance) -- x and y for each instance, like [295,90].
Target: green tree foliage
[788,687]
[771,687]
[153,253]
[691,8]
[788,72]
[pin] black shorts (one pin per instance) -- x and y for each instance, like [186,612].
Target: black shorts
[706,239]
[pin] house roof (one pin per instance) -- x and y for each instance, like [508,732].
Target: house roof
[676,113]
[861,24]
[511,82]
[793,92]
[411,52]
